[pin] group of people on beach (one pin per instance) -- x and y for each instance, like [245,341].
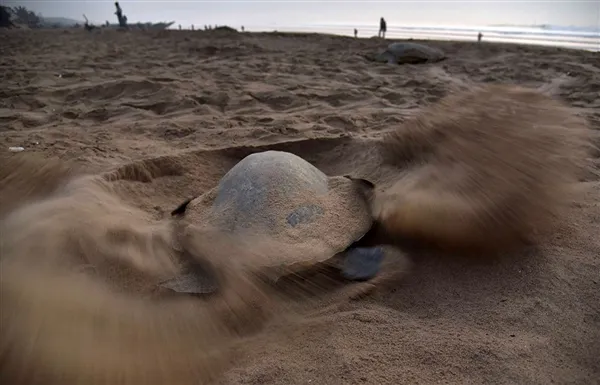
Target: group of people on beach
[382,29]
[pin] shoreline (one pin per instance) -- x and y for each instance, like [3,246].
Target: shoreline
[591,44]
[422,40]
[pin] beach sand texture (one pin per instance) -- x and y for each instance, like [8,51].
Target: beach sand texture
[106,99]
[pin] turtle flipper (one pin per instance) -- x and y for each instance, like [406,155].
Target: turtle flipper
[390,271]
[362,263]
[384,57]
[190,283]
[195,278]
[389,57]
[377,264]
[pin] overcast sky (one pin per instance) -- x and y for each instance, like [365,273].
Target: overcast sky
[304,13]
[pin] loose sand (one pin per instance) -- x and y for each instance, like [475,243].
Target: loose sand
[107,99]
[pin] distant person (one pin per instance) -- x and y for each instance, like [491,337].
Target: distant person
[479,36]
[242,28]
[192,27]
[382,28]
[180,27]
[355,33]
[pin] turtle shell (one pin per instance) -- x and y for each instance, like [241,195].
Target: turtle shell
[280,198]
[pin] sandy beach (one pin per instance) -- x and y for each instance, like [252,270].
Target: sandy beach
[106,99]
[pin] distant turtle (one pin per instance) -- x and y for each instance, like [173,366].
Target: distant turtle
[283,200]
[411,53]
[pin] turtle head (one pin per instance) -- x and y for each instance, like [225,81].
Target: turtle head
[387,57]
[363,182]
[370,56]
[366,187]
[382,57]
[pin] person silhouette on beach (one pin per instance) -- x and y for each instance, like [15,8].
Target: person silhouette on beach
[355,33]
[382,28]
[479,36]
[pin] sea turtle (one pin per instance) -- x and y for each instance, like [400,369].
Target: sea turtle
[412,53]
[282,199]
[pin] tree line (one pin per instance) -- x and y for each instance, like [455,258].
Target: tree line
[19,15]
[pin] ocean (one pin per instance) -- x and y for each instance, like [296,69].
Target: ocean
[568,37]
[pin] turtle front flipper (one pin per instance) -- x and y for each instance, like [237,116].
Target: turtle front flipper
[383,266]
[191,283]
[196,278]
[391,58]
[385,57]
[362,263]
